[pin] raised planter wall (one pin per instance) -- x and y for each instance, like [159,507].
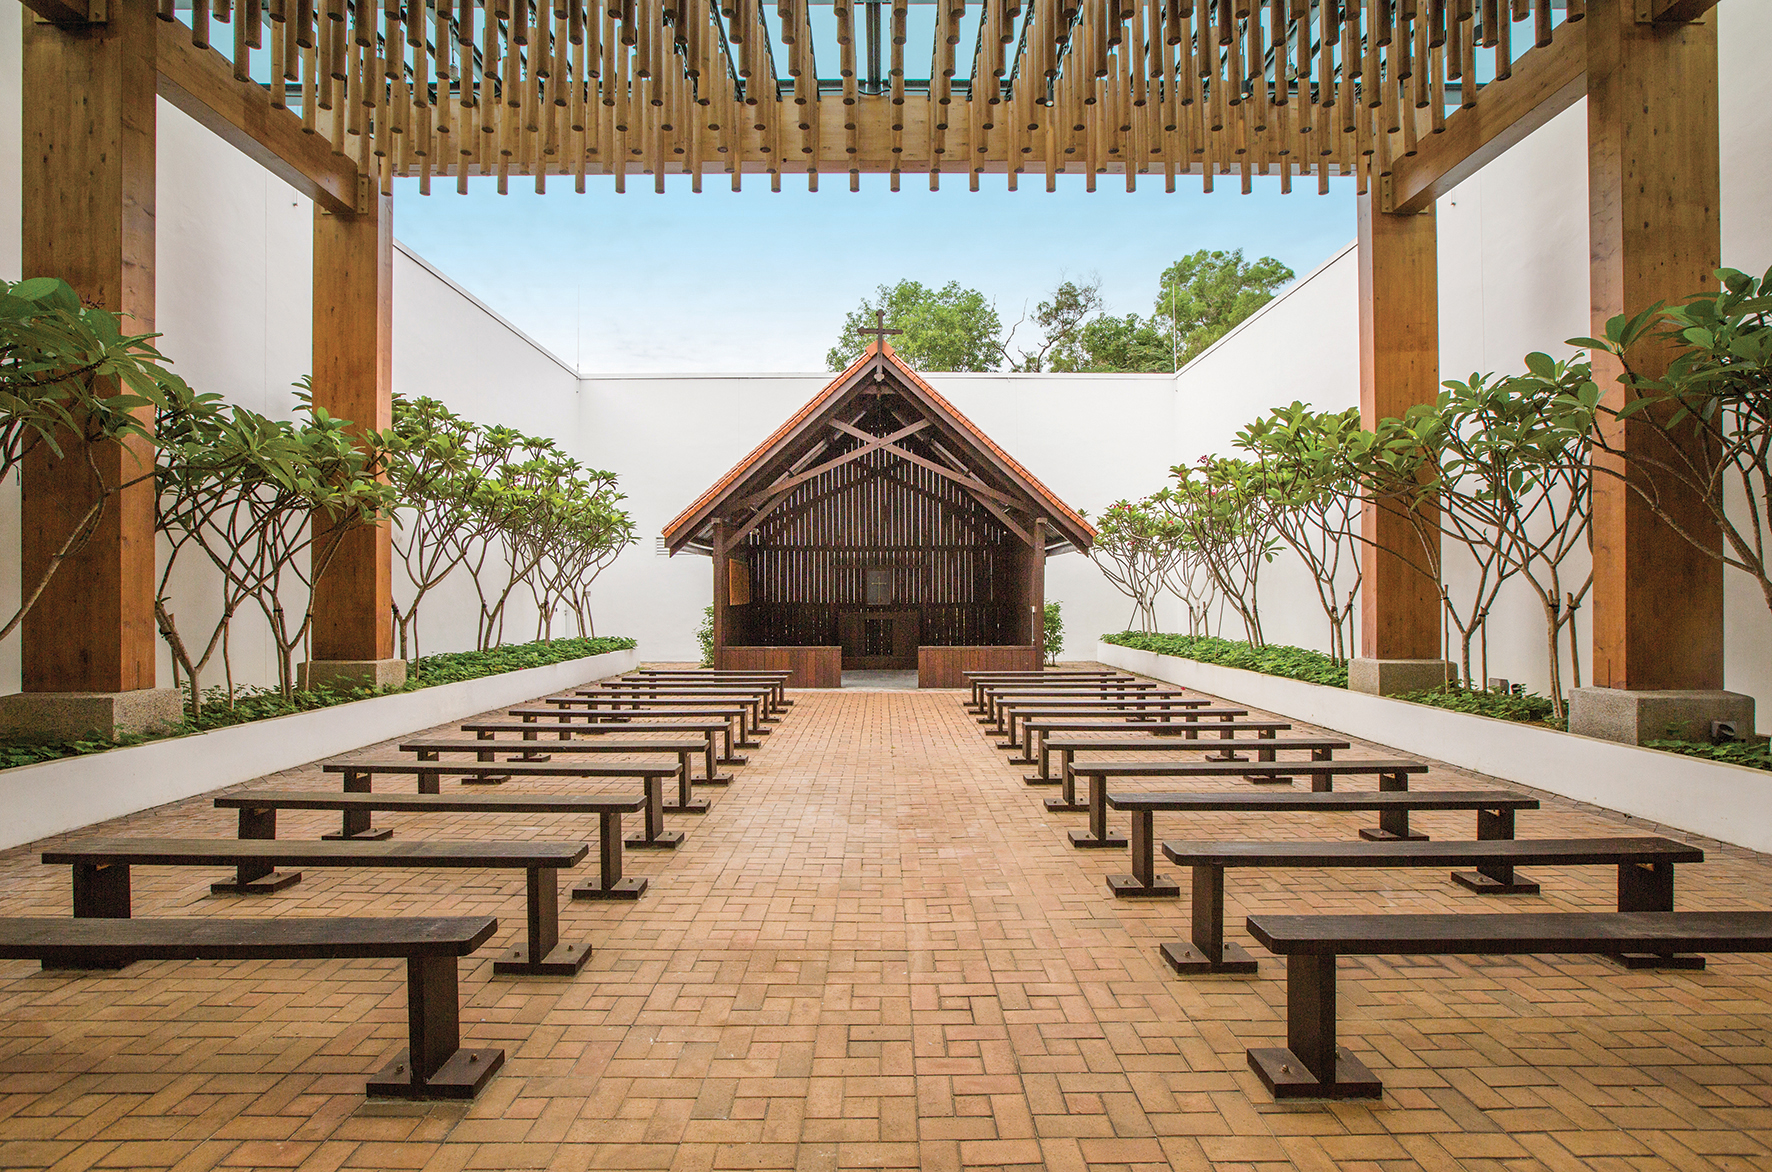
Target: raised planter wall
[56,796]
[1731,803]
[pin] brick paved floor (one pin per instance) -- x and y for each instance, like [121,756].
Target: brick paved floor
[878,951]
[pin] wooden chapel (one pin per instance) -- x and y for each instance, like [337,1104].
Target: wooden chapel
[878,528]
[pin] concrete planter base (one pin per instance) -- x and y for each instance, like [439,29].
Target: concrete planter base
[1730,803]
[56,796]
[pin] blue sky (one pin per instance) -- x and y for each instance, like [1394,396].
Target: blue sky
[759,282]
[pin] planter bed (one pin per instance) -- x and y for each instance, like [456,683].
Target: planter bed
[1731,803]
[55,796]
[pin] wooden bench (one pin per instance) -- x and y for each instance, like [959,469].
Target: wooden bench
[1392,776]
[620,695]
[433,1066]
[1152,707]
[767,691]
[1645,877]
[976,680]
[570,722]
[739,714]
[1313,1066]
[428,748]
[775,681]
[101,877]
[359,777]
[1226,748]
[709,730]
[1226,722]
[258,819]
[995,694]
[1495,819]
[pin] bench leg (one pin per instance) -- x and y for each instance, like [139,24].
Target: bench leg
[256,877]
[541,953]
[101,891]
[1208,952]
[1027,747]
[745,739]
[1649,887]
[1098,835]
[1311,1065]
[1067,777]
[356,823]
[710,774]
[684,803]
[1499,878]
[1143,881]
[434,1065]
[1043,764]
[1393,825]
[655,837]
[610,884]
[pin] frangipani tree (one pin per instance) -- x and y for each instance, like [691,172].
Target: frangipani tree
[1135,547]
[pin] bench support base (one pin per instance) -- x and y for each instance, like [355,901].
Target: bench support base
[1083,840]
[716,779]
[1060,806]
[1285,1076]
[263,885]
[1380,834]
[1488,885]
[1128,887]
[461,1077]
[667,840]
[1188,960]
[631,887]
[485,778]
[564,961]
[695,806]
[373,834]
[1264,779]
[1650,960]
[1036,779]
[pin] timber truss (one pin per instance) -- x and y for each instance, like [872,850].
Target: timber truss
[342,96]
[878,412]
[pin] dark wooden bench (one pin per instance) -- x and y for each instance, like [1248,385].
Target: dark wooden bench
[1495,819]
[976,680]
[258,819]
[1392,776]
[1226,722]
[775,681]
[995,694]
[101,877]
[428,748]
[433,1066]
[1227,749]
[620,695]
[1223,721]
[739,714]
[766,690]
[1148,706]
[1645,876]
[1312,1065]
[709,731]
[570,722]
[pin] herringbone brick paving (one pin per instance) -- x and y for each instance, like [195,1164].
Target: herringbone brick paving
[878,951]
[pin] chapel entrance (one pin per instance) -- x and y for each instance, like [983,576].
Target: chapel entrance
[878,530]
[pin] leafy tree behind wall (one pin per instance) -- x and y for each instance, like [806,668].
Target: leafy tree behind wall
[949,328]
[1202,296]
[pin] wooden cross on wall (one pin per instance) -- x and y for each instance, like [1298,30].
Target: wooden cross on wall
[879,332]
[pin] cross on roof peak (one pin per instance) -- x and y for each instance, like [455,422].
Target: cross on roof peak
[879,332]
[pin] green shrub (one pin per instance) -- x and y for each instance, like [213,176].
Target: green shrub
[1525,708]
[1054,631]
[1754,754]
[704,635]
[252,703]
[1294,663]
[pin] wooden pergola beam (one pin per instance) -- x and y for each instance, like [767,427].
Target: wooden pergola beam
[1670,11]
[201,83]
[1545,82]
[68,12]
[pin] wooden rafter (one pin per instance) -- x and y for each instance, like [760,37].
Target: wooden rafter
[965,480]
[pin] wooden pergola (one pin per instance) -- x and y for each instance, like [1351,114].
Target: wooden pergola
[879,528]
[1408,97]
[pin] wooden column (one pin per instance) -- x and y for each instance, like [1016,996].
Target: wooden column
[722,593]
[1654,235]
[1036,580]
[88,196]
[353,379]
[1399,367]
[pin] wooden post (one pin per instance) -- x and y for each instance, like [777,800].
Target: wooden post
[353,379]
[1399,367]
[1654,235]
[1037,590]
[88,197]
[722,593]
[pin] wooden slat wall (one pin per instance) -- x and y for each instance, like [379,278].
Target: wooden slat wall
[813,667]
[941,667]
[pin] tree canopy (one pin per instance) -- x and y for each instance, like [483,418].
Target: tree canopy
[949,328]
[1202,296]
